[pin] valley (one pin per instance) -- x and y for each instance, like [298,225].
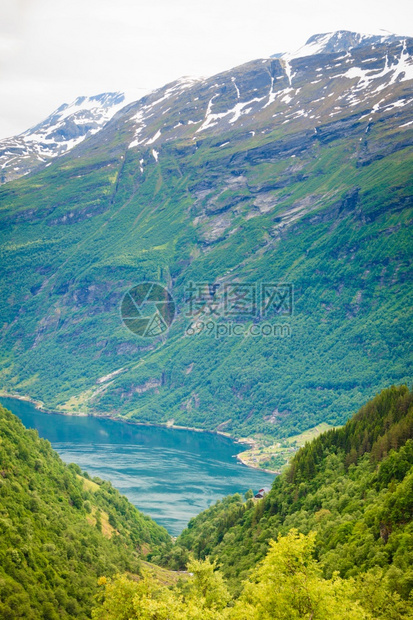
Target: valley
[207,293]
[333,534]
[138,461]
[240,178]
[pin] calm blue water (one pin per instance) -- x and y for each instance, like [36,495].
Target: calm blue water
[169,474]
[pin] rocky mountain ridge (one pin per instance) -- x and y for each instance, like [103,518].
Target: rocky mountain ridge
[65,128]
[339,41]
[231,99]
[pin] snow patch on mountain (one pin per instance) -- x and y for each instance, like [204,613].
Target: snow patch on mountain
[155,137]
[236,111]
[401,70]
[314,45]
[151,105]
[60,132]
[340,41]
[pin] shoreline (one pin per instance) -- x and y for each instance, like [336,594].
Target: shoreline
[267,471]
[40,406]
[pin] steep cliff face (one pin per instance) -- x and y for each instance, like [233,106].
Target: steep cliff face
[283,170]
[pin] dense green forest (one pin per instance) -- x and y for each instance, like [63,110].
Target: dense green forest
[352,487]
[60,530]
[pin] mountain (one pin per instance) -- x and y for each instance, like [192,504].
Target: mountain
[266,95]
[66,127]
[353,487]
[339,41]
[60,530]
[289,177]
[331,540]
[71,123]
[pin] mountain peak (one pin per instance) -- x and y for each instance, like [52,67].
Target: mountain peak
[96,109]
[63,129]
[338,41]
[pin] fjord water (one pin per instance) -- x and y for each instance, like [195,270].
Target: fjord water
[169,474]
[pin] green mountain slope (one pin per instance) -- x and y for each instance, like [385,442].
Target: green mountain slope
[350,491]
[275,172]
[352,486]
[60,530]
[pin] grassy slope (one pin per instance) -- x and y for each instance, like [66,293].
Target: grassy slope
[271,456]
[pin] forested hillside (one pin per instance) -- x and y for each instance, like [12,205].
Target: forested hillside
[276,173]
[352,486]
[333,540]
[60,530]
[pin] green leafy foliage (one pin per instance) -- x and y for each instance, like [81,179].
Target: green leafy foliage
[203,596]
[287,584]
[59,530]
[361,508]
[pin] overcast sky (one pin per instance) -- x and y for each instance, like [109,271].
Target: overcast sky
[52,51]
